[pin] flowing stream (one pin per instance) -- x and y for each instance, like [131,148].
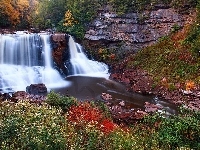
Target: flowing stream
[27,59]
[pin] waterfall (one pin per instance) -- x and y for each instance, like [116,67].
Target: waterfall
[26,59]
[81,65]
[19,49]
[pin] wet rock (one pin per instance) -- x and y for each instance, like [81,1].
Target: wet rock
[122,103]
[37,89]
[57,37]
[150,108]
[106,96]
[59,42]
[19,95]
[116,109]
[136,80]
[187,92]
[1,97]
[139,114]
[37,99]
[123,115]
[22,95]
[4,96]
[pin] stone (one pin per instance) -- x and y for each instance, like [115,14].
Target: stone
[187,92]
[5,96]
[122,103]
[37,89]
[58,37]
[136,30]
[19,95]
[106,96]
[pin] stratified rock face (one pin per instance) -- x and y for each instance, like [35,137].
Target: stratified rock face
[136,30]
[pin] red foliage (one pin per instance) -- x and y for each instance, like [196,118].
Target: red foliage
[180,36]
[84,112]
[107,126]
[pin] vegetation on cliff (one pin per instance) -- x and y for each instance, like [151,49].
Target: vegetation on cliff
[174,61]
[174,58]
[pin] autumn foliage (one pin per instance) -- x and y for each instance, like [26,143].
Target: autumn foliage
[84,114]
[189,85]
[15,12]
[69,19]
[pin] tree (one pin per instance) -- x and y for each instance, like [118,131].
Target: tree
[9,13]
[24,9]
[49,13]
[15,13]
[79,13]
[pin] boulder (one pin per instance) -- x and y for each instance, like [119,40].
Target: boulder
[37,89]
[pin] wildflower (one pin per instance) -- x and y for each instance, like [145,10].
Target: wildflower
[189,85]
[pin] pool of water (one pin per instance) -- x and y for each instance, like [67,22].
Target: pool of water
[91,88]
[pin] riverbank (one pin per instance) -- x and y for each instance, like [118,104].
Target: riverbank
[140,81]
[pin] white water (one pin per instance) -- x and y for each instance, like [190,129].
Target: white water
[82,65]
[19,62]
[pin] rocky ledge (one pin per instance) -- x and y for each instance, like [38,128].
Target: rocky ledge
[135,30]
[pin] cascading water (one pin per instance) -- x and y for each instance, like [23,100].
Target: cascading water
[81,65]
[26,59]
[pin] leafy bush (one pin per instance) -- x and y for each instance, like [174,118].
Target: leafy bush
[81,13]
[57,100]
[193,38]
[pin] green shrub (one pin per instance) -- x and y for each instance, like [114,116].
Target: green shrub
[57,100]
[175,28]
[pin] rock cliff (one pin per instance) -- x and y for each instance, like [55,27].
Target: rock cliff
[135,30]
